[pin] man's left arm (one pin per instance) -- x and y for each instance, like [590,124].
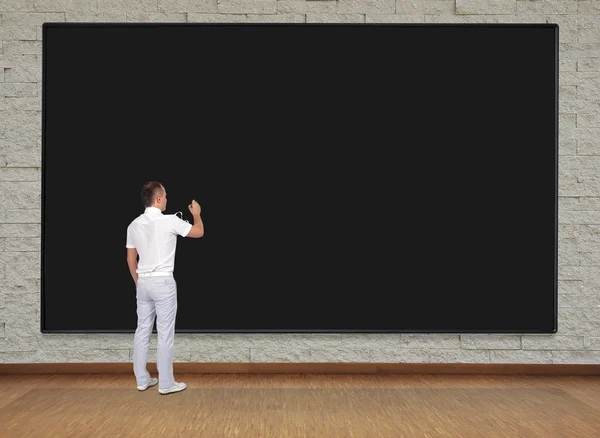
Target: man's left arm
[132,261]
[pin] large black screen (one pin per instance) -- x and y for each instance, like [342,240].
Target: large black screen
[352,177]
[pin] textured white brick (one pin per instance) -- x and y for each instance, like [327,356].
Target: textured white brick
[22,103]
[276,18]
[445,18]
[589,118]
[20,286]
[96,17]
[65,5]
[588,168]
[576,357]
[588,7]
[588,28]
[119,341]
[19,174]
[19,315]
[221,355]
[22,244]
[590,343]
[285,355]
[152,17]
[568,251]
[568,92]
[269,341]
[578,50]
[570,186]
[20,194]
[19,357]
[18,343]
[587,143]
[301,341]
[8,89]
[402,355]
[520,357]
[588,258]
[459,356]
[17,5]
[366,6]
[486,6]
[18,125]
[22,264]
[410,7]
[552,342]
[387,18]
[546,6]
[578,321]
[569,203]
[127,5]
[22,216]
[194,17]
[588,64]
[24,72]
[370,340]
[304,6]
[30,18]
[69,341]
[245,18]
[187,5]
[578,300]
[335,18]
[19,158]
[570,287]
[247,6]
[425,340]
[567,140]
[444,8]
[70,356]
[340,354]
[589,93]
[567,64]
[490,341]
[22,47]
[590,276]
[567,121]
[12,32]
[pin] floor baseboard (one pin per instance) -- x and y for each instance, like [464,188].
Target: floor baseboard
[305,368]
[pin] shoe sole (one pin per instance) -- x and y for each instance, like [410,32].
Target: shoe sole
[141,388]
[171,392]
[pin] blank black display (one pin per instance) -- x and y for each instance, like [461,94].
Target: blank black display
[352,177]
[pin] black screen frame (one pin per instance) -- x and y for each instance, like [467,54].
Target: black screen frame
[44,183]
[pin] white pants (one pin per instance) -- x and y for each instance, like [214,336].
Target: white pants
[156,297]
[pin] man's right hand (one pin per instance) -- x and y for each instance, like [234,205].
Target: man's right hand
[194,208]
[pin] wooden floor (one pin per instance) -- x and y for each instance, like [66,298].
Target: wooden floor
[302,405]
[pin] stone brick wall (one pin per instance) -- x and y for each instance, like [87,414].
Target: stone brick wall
[578,339]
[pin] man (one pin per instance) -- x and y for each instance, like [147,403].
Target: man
[153,236]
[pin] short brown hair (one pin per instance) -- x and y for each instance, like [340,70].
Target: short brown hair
[149,191]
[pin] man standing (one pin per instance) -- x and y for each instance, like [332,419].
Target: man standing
[153,236]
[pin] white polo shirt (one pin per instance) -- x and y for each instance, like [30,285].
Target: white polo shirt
[154,235]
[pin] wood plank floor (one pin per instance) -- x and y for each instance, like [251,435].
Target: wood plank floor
[302,405]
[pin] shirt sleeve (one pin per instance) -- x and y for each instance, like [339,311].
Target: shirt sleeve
[180,226]
[129,243]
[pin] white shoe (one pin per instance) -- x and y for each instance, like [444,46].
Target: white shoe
[179,386]
[152,382]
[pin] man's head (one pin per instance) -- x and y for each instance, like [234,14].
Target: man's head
[154,195]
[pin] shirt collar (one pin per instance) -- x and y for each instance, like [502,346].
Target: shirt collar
[152,211]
